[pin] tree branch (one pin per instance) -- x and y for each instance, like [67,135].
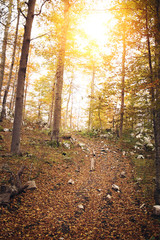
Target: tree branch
[40,36]
[36,14]
[22,13]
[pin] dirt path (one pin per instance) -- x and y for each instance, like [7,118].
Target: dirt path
[72,202]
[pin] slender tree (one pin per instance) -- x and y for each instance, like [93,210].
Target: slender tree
[4,45]
[157,101]
[68,101]
[91,97]
[123,81]
[59,75]
[15,145]
[11,67]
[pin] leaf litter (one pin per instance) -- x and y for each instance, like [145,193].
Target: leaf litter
[88,209]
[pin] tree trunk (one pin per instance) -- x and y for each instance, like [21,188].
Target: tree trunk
[4,45]
[50,118]
[11,68]
[68,100]
[91,99]
[15,145]
[71,113]
[25,95]
[59,76]
[123,83]
[99,113]
[157,99]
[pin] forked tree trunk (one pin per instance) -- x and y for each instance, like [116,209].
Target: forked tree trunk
[59,76]
[4,45]
[15,145]
[11,68]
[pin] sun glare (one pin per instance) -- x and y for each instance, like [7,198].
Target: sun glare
[97,26]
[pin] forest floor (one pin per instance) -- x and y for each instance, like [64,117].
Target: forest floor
[87,207]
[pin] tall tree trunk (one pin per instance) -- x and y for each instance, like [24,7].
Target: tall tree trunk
[50,117]
[99,113]
[59,76]
[25,94]
[157,100]
[123,83]
[4,45]
[68,100]
[71,113]
[15,145]
[91,99]
[11,67]
[12,100]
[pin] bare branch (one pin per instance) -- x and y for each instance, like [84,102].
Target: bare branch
[22,13]
[40,36]
[41,8]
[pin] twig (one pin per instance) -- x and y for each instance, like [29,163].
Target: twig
[36,14]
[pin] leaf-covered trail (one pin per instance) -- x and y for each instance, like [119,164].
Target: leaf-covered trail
[86,208]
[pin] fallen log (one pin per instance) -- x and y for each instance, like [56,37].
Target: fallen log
[15,187]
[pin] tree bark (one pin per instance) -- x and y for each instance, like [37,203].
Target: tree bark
[91,99]
[123,83]
[11,68]
[157,101]
[15,145]
[4,46]
[68,100]
[50,115]
[59,76]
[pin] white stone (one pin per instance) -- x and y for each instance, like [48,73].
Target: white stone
[71,181]
[82,145]
[99,190]
[81,206]
[139,179]
[156,210]
[109,196]
[31,185]
[123,174]
[140,157]
[67,145]
[115,187]
[6,130]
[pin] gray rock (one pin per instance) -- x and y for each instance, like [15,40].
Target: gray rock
[156,210]
[115,188]
[31,185]
[71,182]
